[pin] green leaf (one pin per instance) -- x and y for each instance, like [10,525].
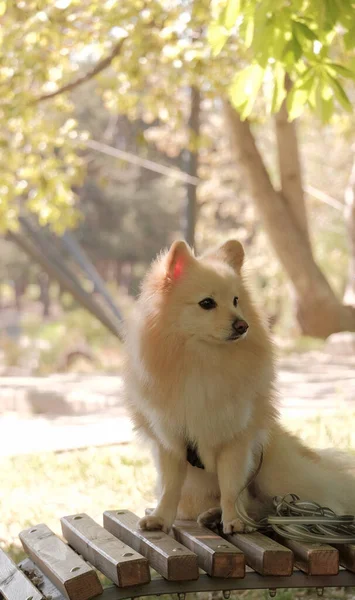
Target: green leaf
[349,39]
[296,48]
[278,44]
[303,32]
[296,101]
[326,109]
[245,87]
[331,13]
[344,71]
[237,89]
[324,101]
[217,36]
[292,52]
[345,8]
[261,21]
[339,92]
[298,96]
[249,32]
[246,23]
[279,91]
[230,13]
[312,97]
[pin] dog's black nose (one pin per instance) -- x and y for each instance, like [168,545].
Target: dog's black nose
[240,326]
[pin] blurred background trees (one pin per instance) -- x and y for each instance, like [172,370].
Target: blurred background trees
[135,122]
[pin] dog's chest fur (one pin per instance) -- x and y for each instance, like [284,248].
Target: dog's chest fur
[213,408]
[208,404]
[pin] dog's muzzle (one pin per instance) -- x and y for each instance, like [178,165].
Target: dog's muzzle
[239,327]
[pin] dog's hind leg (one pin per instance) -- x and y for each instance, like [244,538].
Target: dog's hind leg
[212,519]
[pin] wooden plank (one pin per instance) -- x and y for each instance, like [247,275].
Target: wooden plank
[46,587]
[69,573]
[263,554]
[313,559]
[165,555]
[14,585]
[218,557]
[347,556]
[116,560]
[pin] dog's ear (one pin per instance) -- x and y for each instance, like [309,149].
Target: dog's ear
[178,258]
[232,252]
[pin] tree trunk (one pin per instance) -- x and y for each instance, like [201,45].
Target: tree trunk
[319,312]
[349,296]
[44,286]
[191,167]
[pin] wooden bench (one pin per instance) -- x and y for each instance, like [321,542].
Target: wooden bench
[190,559]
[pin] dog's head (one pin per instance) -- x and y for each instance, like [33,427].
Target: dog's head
[202,298]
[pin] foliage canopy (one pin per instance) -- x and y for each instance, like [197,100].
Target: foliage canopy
[311,42]
[152,51]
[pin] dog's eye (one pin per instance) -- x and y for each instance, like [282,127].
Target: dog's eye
[208,303]
[235,301]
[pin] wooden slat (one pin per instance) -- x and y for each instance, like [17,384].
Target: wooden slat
[347,556]
[116,560]
[313,559]
[46,587]
[165,555]
[70,573]
[218,557]
[263,554]
[14,585]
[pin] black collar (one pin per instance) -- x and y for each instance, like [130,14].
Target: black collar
[192,456]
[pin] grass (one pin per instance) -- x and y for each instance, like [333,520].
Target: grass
[46,487]
[43,488]
[326,431]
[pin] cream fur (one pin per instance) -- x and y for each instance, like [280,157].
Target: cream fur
[186,382]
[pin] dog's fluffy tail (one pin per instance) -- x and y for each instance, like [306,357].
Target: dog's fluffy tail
[338,459]
[326,477]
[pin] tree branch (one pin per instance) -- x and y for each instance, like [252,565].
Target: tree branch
[98,68]
[290,167]
[249,156]
[284,233]
[349,213]
[192,165]
[318,310]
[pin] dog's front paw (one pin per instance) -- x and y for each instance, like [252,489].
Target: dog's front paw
[236,526]
[154,523]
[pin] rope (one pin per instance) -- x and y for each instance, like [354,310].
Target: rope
[299,520]
[302,521]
